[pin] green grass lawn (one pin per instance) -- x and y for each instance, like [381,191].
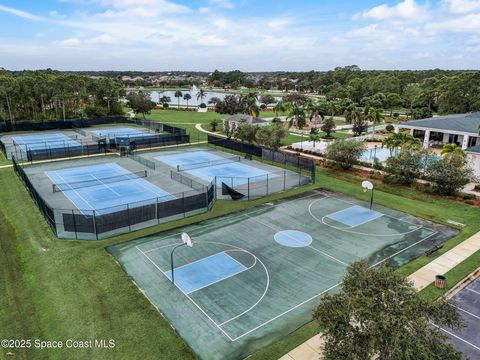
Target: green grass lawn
[185,119]
[59,289]
[4,160]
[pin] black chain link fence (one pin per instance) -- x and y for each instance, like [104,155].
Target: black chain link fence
[102,223]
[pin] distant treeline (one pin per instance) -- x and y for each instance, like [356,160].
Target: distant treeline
[46,95]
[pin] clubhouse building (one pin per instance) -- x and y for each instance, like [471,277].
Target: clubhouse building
[461,129]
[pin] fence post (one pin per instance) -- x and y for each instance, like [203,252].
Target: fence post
[74,224]
[248,188]
[267,184]
[128,216]
[156,211]
[95,225]
[183,205]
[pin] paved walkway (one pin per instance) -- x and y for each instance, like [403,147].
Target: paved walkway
[311,349]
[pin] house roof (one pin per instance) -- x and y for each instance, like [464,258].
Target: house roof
[474,149]
[466,123]
[246,118]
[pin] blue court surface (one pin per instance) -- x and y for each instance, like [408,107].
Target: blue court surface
[44,141]
[97,190]
[205,272]
[121,132]
[232,173]
[355,216]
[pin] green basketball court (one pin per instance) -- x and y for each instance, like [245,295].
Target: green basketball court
[252,277]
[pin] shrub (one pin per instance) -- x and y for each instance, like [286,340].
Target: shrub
[202,106]
[345,152]
[213,125]
[395,114]
[449,174]
[165,105]
[377,165]
[477,187]
[389,127]
[406,167]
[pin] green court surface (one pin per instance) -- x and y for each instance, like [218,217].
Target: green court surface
[255,276]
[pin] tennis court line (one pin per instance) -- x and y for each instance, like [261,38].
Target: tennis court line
[104,184]
[319,251]
[71,189]
[455,336]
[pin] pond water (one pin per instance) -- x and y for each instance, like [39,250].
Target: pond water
[155,95]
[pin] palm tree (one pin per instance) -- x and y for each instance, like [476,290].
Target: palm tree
[187,97]
[178,94]
[201,94]
[251,106]
[297,116]
[281,106]
[450,149]
[375,116]
[314,136]
[352,113]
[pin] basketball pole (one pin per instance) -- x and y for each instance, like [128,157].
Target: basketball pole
[171,260]
[186,240]
[371,199]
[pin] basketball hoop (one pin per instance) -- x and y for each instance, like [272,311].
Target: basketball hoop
[367,185]
[186,240]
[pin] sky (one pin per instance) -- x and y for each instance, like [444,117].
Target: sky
[248,35]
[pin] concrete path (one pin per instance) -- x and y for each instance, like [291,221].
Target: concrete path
[6,166]
[312,349]
[200,128]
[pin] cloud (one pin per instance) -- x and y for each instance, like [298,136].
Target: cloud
[161,34]
[68,42]
[405,10]
[20,13]
[462,6]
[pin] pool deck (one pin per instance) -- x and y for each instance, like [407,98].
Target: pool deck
[312,348]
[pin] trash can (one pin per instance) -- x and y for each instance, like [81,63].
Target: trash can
[440,282]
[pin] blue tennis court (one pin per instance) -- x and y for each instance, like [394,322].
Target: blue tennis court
[106,186]
[355,216]
[205,272]
[44,141]
[121,132]
[233,171]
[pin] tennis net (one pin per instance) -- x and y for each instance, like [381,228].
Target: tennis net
[80,131]
[208,163]
[99,181]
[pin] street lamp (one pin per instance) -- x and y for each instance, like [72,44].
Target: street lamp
[367,185]
[186,240]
